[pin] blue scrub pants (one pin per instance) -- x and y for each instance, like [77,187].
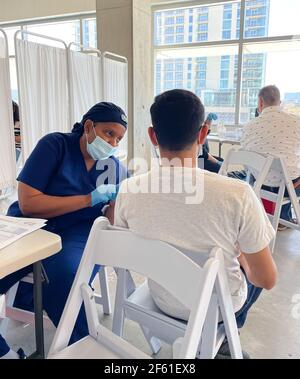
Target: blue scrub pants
[61,270]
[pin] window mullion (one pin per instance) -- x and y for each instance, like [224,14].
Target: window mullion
[240,64]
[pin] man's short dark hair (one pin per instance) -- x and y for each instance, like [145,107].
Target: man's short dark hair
[177,117]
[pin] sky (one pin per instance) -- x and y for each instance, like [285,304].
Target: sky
[283,66]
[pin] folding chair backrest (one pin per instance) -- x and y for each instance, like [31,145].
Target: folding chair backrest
[156,260]
[258,163]
[279,168]
[123,249]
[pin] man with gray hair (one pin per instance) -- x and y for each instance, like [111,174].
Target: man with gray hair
[277,133]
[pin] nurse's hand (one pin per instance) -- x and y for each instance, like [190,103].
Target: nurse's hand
[104,194]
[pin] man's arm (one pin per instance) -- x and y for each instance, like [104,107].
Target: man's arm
[212,159]
[120,207]
[260,268]
[110,212]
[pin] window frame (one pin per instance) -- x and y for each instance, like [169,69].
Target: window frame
[51,20]
[22,25]
[240,42]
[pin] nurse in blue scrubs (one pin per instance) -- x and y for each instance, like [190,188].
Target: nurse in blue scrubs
[68,180]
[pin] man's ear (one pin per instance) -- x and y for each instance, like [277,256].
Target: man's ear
[152,136]
[203,134]
[260,104]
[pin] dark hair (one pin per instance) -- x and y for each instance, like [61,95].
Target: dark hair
[16,113]
[177,117]
[102,112]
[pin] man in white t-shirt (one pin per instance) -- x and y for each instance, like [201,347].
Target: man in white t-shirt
[220,212]
[277,133]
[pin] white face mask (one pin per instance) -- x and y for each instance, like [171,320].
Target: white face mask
[99,149]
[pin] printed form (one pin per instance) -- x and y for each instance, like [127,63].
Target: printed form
[13,228]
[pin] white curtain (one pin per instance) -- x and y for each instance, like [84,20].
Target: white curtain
[43,92]
[85,83]
[7,143]
[115,84]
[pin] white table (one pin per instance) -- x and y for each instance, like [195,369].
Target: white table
[31,250]
[221,141]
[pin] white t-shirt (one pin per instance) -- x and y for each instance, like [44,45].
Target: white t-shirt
[229,216]
[277,133]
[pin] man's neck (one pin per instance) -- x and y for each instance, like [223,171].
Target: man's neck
[270,107]
[179,159]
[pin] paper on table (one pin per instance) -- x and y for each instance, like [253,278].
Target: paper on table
[13,228]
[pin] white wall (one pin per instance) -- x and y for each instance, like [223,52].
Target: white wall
[15,10]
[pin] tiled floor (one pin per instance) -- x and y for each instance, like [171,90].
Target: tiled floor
[273,327]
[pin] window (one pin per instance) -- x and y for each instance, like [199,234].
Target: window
[227,15]
[180,29]
[170,21]
[227,34]
[211,70]
[227,25]
[203,17]
[180,38]
[202,36]
[169,76]
[68,30]
[202,27]
[204,76]
[262,63]
[169,66]
[90,33]
[274,18]
[224,84]
[179,75]
[169,30]
[169,40]
[203,20]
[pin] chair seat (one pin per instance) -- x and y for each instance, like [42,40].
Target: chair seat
[108,347]
[141,301]
[141,298]
[87,348]
[287,200]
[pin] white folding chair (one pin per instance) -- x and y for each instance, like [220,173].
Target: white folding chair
[263,164]
[259,163]
[279,167]
[12,313]
[137,305]
[16,314]
[123,250]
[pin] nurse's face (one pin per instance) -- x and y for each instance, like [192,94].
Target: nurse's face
[110,132]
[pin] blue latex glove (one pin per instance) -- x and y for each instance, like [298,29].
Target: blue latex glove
[105,193]
[212,117]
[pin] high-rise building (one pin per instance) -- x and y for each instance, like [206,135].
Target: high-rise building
[213,78]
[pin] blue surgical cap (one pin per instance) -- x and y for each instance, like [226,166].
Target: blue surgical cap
[103,112]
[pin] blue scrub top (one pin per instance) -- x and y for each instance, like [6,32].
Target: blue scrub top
[56,167]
